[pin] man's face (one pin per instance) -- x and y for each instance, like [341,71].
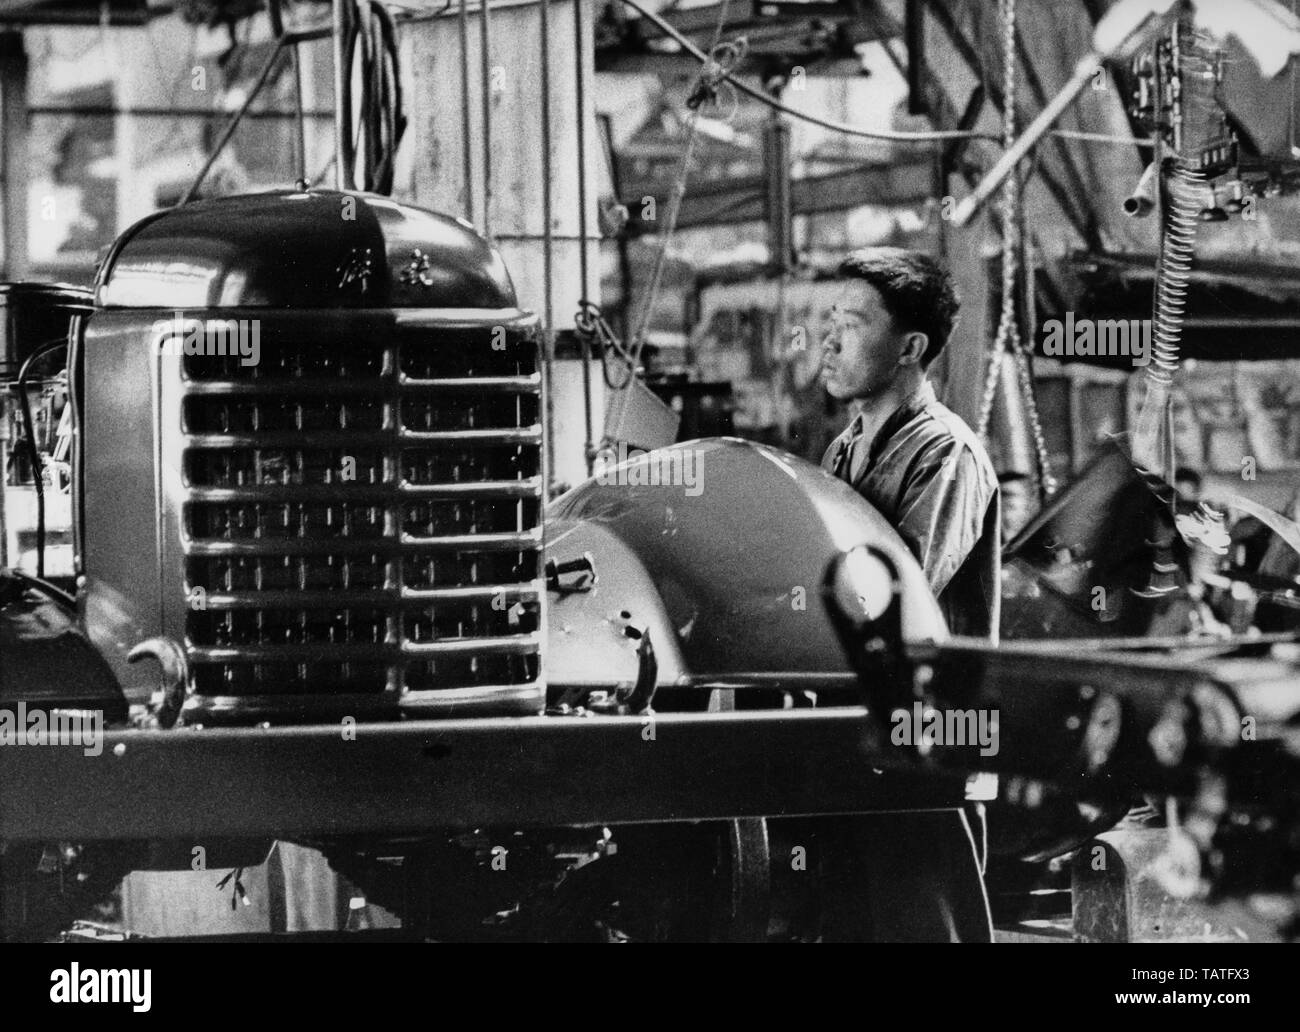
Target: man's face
[860,353]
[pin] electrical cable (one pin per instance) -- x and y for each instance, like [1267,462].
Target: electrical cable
[897,136]
[890,135]
[371,39]
[723,56]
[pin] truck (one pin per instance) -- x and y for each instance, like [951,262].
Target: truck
[320,595]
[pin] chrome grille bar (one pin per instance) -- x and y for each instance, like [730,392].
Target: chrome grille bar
[416,579]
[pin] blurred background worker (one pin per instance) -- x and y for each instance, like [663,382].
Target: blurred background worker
[1017,491]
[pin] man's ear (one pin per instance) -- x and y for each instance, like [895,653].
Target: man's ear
[913,349]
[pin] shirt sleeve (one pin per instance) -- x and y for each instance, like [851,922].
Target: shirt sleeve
[941,515]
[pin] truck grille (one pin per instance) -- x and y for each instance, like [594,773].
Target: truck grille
[361,522]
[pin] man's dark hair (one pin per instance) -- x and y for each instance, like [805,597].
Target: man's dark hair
[917,292]
[1188,474]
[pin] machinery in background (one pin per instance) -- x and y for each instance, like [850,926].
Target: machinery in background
[1209,732]
[1103,559]
[36,428]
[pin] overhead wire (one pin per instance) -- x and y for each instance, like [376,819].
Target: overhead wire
[889,135]
[714,71]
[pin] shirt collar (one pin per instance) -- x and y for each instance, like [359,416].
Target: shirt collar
[920,399]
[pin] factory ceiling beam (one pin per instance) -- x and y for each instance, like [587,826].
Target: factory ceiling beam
[914,37]
[779,35]
[741,200]
[940,107]
[53,12]
[1084,226]
[1064,151]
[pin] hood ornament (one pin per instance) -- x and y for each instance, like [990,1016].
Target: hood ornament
[418,270]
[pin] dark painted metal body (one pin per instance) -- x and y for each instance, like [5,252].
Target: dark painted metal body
[287,249]
[1057,725]
[46,662]
[32,314]
[325,524]
[412,777]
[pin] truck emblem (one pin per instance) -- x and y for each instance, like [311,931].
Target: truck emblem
[418,270]
[357,268]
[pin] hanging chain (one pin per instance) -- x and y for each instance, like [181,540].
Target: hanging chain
[1046,481]
[1007,339]
[1008,334]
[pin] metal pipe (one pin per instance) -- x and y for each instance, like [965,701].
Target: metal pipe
[299,117]
[1115,35]
[588,445]
[4,478]
[485,42]
[466,130]
[342,98]
[1013,155]
[113,110]
[548,244]
[300,126]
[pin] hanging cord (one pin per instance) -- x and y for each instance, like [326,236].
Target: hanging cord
[371,37]
[723,57]
[591,326]
[893,135]
[759,95]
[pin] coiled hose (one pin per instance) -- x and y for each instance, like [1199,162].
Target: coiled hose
[1180,215]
